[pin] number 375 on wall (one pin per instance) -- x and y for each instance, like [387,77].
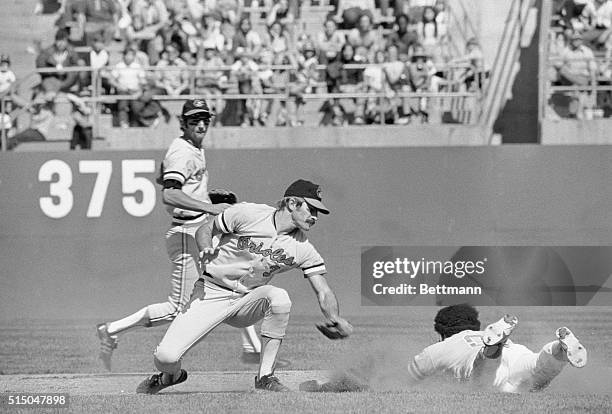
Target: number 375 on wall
[61,199]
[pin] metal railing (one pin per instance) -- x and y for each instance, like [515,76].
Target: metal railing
[193,73]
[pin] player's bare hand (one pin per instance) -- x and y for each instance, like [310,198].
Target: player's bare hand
[340,328]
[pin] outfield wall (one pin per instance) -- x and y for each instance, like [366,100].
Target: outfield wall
[82,233]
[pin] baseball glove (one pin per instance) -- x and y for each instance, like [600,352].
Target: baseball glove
[220,195]
[336,330]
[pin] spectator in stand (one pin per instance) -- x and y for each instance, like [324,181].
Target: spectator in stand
[228,31]
[442,18]
[349,80]
[59,55]
[276,39]
[149,17]
[141,57]
[283,12]
[82,133]
[405,37]
[98,59]
[42,113]
[197,9]
[171,32]
[571,15]
[442,23]
[428,30]
[246,71]
[192,36]
[375,81]
[419,80]
[307,63]
[7,77]
[172,81]
[99,16]
[348,12]
[229,10]
[210,36]
[576,66]
[476,73]
[599,30]
[71,17]
[329,41]
[366,36]
[266,77]
[211,81]
[143,37]
[246,39]
[394,68]
[127,78]
[125,18]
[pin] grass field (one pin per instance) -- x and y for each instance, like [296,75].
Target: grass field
[61,356]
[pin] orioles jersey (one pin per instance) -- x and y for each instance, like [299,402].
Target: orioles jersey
[186,164]
[251,252]
[456,354]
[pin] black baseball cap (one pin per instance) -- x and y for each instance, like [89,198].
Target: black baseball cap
[196,107]
[309,191]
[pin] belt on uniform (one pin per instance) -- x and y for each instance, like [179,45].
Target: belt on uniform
[182,220]
[209,278]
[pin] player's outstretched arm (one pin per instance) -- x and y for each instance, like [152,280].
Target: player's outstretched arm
[329,307]
[177,198]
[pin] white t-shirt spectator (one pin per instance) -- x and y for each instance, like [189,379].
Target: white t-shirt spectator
[578,62]
[173,78]
[129,77]
[99,59]
[373,77]
[330,45]
[7,78]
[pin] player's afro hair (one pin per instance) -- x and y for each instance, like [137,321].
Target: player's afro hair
[456,318]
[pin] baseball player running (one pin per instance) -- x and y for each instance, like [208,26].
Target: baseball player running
[185,193]
[257,242]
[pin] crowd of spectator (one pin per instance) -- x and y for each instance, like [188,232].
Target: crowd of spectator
[581,55]
[143,48]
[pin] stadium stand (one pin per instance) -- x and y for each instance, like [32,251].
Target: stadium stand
[265,64]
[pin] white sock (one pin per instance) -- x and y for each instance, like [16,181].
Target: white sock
[268,356]
[136,319]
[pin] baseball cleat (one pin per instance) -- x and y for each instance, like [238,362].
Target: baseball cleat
[108,343]
[154,384]
[499,331]
[270,383]
[253,358]
[575,351]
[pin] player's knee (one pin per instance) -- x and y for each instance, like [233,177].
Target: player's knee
[279,300]
[166,359]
